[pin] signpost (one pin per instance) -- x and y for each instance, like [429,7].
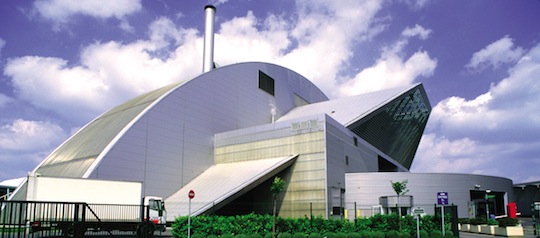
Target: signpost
[191,195]
[442,199]
[418,211]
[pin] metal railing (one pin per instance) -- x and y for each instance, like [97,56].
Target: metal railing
[53,219]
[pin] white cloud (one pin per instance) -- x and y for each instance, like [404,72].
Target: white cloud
[22,135]
[392,69]
[495,54]
[109,73]
[417,30]
[325,34]
[2,44]
[218,2]
[4,100]
[60,11]
[498,127]
[314,44]
[416,4]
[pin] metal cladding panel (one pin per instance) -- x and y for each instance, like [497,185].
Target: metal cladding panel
[364,189]
[75,156]
[172,141]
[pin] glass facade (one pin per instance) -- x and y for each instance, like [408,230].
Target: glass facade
[306,183]
[397,127]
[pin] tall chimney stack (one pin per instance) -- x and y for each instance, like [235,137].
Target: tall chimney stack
[208,51]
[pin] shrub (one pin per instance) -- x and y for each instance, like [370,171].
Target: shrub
[226,236]
[330,235]
[377,234]
[492,222]
[354,235]
[299,235]
[314,235]
[424,234]
[435,234]
[284,235]
[507,221]
[464,220]
[478,221]
[341,235]
[258,225]
[365,234]
[212,236]
[392,234]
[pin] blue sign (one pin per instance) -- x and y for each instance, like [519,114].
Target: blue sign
[442,198]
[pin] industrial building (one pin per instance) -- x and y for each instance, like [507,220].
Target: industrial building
[228,132]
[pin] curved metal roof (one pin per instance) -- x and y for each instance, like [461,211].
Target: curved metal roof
[75,156]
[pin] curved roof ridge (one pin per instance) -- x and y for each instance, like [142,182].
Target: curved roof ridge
[82,149]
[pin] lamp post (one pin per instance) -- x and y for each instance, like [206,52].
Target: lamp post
[487,204]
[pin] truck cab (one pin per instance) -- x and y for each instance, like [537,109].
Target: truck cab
[157,213]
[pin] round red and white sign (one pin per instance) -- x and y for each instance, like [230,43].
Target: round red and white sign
[191,194]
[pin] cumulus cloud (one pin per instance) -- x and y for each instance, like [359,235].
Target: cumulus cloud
[22,135]
[109,73]
[4,100]
[24,143]
[323,47]
[417,30]
[495,54]
[60,11]
[392,69]
[500,126]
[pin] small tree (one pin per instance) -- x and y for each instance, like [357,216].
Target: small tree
[277,187]
[401,189]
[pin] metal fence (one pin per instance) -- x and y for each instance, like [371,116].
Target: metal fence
[53,219]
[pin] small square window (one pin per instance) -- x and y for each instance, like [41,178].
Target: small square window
[266,83]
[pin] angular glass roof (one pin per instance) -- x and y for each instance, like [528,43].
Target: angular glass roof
[76,155]
[396,128]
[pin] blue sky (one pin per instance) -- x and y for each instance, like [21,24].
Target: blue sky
[62,63]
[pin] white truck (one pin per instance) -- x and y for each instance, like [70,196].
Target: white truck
[75,206]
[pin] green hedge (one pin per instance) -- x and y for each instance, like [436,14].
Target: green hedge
[254,225]
[507,221]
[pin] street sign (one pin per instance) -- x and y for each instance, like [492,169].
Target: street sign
[418,210]
[191,194]
[442,198]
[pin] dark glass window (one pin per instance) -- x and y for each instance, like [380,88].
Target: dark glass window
[266,83]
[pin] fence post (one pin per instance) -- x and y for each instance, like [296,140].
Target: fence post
[355,211]
[311,215]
